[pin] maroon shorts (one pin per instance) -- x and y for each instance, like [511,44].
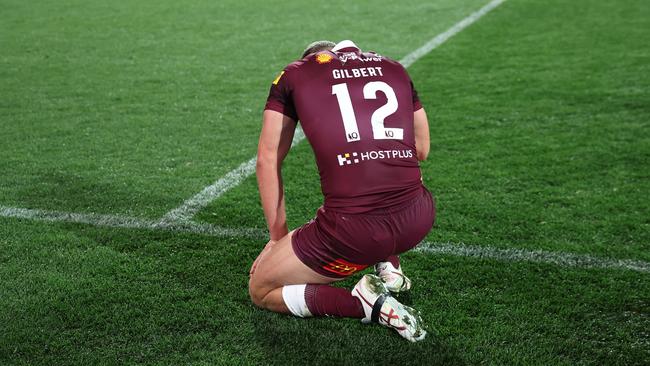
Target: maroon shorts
[337,245]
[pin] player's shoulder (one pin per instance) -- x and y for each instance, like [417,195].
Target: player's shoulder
[385,59]
[318,58]
[303,65]
[371,56]
[309,64]
[288,74]
[394,67]
[294,66]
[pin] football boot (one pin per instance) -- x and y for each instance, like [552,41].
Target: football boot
[380,307]
[394,278]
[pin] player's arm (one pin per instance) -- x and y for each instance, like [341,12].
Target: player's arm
[275,142]
[421,129]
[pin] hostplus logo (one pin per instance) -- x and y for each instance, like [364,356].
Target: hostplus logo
[345,158]
[356,158]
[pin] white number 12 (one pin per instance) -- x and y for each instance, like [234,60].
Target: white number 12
[370,90]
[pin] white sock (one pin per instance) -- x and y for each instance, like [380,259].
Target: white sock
[294,298]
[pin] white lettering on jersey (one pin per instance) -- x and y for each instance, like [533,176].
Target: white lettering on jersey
[362,72]
[360,157]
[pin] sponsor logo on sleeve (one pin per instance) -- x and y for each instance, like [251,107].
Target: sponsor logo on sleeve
[277,79]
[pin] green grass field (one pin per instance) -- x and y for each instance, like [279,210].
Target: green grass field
[540,125]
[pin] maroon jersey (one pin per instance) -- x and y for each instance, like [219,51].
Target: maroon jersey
[356,109]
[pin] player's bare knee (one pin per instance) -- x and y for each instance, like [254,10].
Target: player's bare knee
[257,292]
[256,299]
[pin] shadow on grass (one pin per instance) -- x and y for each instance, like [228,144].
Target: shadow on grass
[288,340]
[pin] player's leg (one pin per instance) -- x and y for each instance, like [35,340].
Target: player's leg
[414,224]
[275,284]
[281,282]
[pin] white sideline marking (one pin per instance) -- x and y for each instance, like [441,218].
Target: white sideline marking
[178,219]
[128,222]
[193,205]
[441,38]
[560,259]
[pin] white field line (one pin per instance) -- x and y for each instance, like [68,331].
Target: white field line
[560,259]
[178,219]
[128,222]
[441,38]
[193,205]
[190,207]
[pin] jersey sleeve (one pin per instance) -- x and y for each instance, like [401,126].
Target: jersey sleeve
[280,98]
[417,105]
[416,100]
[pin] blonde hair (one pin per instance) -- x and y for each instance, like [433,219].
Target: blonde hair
[318,46]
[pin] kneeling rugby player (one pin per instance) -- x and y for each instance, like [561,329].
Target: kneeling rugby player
[368,130]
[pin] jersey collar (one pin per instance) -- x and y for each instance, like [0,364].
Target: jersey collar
[344,44]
